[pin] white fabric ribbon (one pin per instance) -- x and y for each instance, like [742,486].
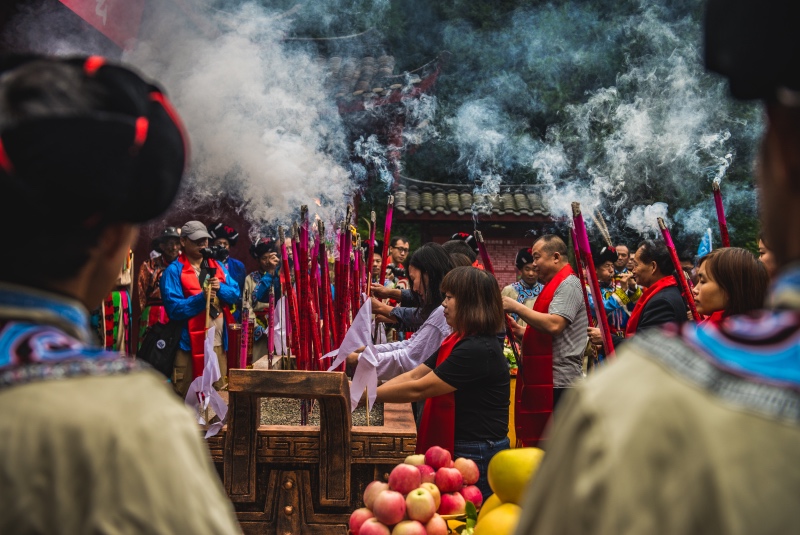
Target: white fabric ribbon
[359,335]
[201,394]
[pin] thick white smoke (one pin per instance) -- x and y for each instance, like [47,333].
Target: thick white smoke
[264,131]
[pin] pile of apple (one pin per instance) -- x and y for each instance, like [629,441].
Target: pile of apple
[419,492]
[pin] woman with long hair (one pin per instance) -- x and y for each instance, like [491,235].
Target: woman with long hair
[427,267]
[465,384]
[729,281]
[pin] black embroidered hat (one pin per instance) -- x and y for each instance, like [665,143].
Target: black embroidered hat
[264,245]
[119,158]
[523,257]
[220,230]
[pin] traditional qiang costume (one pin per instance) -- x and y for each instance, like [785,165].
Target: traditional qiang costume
[149,286]
[82,426]
[521,291]
[116,312]
[261,288]
[235,268]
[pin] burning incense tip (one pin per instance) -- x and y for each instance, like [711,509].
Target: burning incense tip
[281,235]
[391,199]
[576,209]
[479,236]
[661,223]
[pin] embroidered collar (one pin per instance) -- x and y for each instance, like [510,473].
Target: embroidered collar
[22,303]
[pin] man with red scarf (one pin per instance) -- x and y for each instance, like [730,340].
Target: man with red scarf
[183,291]
[661,302]
[553,342]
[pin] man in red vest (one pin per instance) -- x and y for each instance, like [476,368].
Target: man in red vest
[553,342]
[183,291]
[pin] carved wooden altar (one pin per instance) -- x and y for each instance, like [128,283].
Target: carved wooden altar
[303,479]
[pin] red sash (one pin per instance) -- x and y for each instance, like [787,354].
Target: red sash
[437,426]
[197,324]
[714,319]
[533,403]
[653,289]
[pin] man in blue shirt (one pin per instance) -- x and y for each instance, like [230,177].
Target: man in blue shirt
[185,288]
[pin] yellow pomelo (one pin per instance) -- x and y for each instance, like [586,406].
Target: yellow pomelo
[510,470]
[502,520]
[490,503]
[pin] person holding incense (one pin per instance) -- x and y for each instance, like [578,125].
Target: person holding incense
[465,381]
[615,300]
[730,281]
[93,442]
[660,303]
[701,438]
[553,342]
[427,268]
[224,237]
[185,287]
[258,286]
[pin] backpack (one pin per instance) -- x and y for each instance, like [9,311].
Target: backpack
[160,344]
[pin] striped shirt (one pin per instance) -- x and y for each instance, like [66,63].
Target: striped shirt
[568,346]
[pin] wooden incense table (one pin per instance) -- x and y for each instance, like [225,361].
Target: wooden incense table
[303,479]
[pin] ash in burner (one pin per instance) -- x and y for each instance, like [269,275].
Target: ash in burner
[286,411]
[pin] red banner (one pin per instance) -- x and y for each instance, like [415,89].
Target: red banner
[116,19]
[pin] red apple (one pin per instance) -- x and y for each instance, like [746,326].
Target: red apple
[437,457]
[449,480]
[409,527]
[404,478]
[468,469]
[434,490]
[436,526]
[473,494]
[420,505]
[358,518]
[452,504]
[373,527]
[428,473]
[390,507]
[372,490]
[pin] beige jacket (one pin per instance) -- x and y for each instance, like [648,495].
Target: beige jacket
[106,455]
[638,449]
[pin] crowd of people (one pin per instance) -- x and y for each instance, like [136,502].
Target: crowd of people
[691,428]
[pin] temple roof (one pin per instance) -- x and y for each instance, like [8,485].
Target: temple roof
[414,196]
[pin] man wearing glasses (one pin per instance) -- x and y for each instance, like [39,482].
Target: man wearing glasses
[395,269]
[183,290]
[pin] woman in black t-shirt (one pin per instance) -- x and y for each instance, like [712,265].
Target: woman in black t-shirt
[467,395]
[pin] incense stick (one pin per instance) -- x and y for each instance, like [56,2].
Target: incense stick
[679,274]
[588,264]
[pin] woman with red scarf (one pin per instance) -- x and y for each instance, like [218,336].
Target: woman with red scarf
[465,384]
[730,281]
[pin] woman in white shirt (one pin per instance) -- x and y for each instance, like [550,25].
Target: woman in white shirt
[426,269]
